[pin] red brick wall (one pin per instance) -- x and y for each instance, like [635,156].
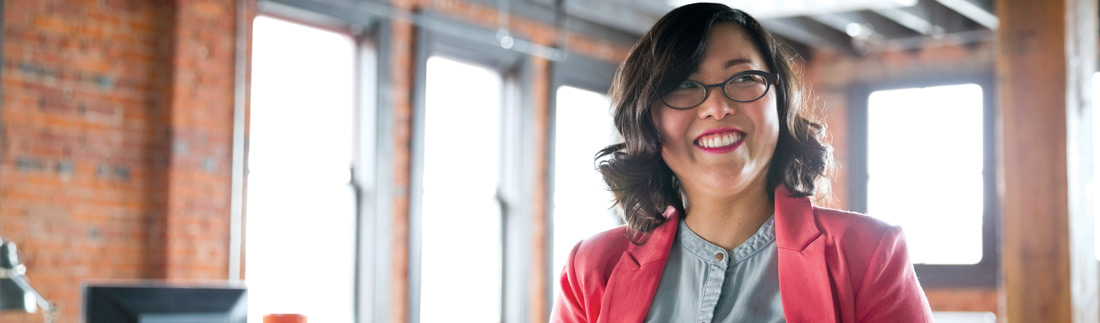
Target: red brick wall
[115,125]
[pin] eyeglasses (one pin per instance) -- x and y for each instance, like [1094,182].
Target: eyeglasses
[742,87]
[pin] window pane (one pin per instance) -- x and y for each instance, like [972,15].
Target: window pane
[300,239]
[460,211]
[925,154]
[964,317]
[1096,158]
[581,199]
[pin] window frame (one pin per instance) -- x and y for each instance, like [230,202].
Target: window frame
[581,72]
[373,237]
[513,189]
[984,273]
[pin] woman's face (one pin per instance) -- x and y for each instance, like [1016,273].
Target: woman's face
[721,147]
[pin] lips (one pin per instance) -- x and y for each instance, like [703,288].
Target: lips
[720,140]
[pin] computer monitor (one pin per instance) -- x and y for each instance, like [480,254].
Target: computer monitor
[164,304]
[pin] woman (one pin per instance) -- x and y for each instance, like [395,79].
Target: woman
[718,161]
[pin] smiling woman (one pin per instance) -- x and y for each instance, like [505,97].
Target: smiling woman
[720,148]
[719,159]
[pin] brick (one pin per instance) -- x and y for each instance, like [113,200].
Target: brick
[90,87]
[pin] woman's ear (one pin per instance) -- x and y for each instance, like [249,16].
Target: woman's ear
[655,120]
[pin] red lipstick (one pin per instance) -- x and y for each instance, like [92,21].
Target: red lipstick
[723,149]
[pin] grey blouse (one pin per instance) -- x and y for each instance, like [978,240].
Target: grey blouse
[703,282]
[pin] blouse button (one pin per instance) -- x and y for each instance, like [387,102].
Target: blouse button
[718,256]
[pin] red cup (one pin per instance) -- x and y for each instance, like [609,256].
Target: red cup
[284,318]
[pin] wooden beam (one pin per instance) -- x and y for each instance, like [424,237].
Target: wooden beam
[888,28]
[810,33]
[840,23]
[1043,51]
[914,22]
[628,18]
[978,13]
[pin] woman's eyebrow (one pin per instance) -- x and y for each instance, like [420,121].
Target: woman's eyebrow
[735,62]
[731,63]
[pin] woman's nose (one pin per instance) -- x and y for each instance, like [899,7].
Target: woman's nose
[715,105]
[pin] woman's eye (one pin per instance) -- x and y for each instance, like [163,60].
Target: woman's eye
[685,86]
[743,79]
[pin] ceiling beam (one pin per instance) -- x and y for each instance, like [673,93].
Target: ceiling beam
[909,20]
[911,43]
[610,13]
[884,26]
[855,29]
[983,15]
[810,34]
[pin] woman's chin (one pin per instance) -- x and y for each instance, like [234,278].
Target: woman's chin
[732,181]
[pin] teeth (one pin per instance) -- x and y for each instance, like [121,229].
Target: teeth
[722,140]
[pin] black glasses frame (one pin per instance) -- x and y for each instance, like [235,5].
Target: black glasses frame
[769,79]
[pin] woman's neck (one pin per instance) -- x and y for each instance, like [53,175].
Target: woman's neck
[728,220]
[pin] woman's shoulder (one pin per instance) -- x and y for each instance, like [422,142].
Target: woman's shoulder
[872,256]
[855,228]
[601,250]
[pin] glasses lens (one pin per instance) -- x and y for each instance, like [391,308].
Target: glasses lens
[746,87]
[685,95]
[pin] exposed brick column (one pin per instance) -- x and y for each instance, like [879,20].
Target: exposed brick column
[196,225]
[540,92]
[402,70]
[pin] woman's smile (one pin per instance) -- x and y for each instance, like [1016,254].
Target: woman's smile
[720,140]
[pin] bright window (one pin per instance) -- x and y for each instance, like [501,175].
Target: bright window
[964,317]
[924,162]
[461,259]
[301,217]
[582,203]
[1096,158]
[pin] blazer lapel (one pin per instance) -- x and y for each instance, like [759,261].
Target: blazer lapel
[634,280]
[804,281]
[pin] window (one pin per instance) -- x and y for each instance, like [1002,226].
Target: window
[301,205]
[922,159]
[460,211]
[925,144]
[1096,156]
[582,124]
[582,203]
[470,186]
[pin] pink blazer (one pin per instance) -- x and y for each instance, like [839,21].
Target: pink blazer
[834,266]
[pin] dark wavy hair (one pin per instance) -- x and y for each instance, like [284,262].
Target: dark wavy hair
[643,184]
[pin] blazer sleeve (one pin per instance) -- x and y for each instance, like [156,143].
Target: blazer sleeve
[569,306]
[889,291]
